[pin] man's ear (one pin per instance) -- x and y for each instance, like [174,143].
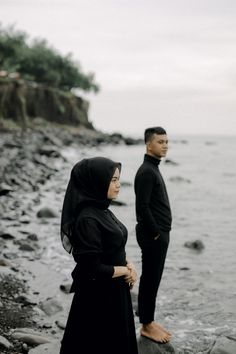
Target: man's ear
[148,145]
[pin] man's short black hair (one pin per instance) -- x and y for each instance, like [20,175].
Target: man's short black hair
[149,132]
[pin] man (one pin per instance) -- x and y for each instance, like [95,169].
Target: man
[153,215]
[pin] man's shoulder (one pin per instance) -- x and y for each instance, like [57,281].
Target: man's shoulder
[145,170]
[145,167]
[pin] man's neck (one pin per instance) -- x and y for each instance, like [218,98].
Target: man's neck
[154,156]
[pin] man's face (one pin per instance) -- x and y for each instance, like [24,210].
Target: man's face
[158,146]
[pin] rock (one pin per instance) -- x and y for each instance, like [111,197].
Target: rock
[50,138]
[210,142]
[65,288]
[126,184]
[41,161]
[184,268]
[178,179]
[5,343]
[26,247]
[32,237]
[171,162]
[24,300]
[61,325]
[50,348]
[224,345]
[196,245]
[131,141]
[25,348]
[118,203]
[11,255]
[5,263]
[6,236]
[147,346]
[11,217]
[46,213]
[49,151]
[25,219]
[50,306]
[25,101]
[47,325]
[5,271]
[5,189]
[29,338]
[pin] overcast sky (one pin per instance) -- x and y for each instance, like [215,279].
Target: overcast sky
[169,63]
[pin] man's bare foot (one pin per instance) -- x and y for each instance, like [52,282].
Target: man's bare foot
[154,333]
[162,328]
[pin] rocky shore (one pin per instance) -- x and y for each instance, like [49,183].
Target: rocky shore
[34,298]
[32,294]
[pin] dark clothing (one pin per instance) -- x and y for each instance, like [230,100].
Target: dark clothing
[153,260]
[101,316]
[154,218]
[100,240]
[152,203]
[88,186]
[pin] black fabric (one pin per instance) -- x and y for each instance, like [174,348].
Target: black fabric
[153,261]
[153,219]
[101,316]
[88,186]
[101,320]
[99,244]
[152,203]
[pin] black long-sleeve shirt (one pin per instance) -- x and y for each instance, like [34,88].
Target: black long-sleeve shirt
[99,245]
[153,211]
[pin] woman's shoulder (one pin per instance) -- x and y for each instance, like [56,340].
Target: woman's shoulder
[93,218]
[91,213]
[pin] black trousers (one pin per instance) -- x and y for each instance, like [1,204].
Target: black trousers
[153,261]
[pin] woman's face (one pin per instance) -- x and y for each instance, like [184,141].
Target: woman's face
[114,186]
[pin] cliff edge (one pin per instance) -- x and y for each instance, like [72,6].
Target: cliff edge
[22,101]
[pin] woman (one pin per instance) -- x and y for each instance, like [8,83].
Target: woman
[101,316]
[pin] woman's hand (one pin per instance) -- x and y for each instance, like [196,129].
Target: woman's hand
[130,265]
[128,272]
[131,277]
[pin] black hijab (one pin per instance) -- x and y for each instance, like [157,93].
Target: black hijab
[88,186]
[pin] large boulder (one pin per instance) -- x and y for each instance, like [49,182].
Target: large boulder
[147,346]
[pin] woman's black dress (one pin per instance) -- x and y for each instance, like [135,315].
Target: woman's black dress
[101,315]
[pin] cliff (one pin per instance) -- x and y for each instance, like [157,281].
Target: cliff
[23,101]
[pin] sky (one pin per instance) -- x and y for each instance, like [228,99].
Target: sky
[165,63]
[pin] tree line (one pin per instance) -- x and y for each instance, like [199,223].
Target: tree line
[38,61]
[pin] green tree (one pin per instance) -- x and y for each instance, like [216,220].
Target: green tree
[12,47]
[41,63]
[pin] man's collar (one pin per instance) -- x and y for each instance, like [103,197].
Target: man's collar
[155,161]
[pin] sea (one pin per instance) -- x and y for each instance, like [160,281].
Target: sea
[198,288]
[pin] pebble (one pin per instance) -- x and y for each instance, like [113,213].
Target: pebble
[46,213]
